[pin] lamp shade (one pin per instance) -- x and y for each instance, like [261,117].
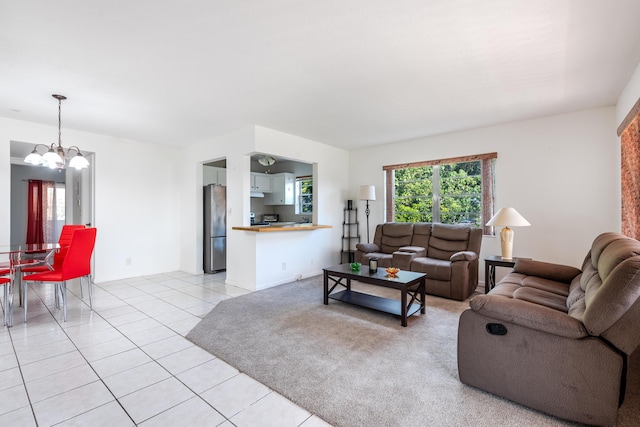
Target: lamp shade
[367,192]
[508,217]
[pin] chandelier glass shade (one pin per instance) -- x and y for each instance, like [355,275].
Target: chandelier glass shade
[266,160]
[56,156]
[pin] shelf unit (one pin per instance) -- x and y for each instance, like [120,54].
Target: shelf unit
[350,235]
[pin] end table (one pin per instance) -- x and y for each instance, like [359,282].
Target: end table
[490,264]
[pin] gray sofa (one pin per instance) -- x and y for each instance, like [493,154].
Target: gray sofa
[448,254]
[556,338]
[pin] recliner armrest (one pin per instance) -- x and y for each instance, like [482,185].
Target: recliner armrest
[402,260]
[528,315]
[367,247]
[464,256]
[546,270]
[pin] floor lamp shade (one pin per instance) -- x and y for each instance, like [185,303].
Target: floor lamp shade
[506,217]
[367,192]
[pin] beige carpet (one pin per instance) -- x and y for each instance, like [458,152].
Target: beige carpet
[356,367]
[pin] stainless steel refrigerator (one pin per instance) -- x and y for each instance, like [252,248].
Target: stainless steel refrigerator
[215,228]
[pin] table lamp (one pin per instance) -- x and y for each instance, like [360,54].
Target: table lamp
[506,217]
[367,192]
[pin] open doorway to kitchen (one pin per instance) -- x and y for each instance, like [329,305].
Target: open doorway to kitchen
[71,200]
[214,214]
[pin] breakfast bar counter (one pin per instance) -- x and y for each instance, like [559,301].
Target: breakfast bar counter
[272,228]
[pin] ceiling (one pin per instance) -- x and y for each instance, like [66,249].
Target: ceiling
[348,73]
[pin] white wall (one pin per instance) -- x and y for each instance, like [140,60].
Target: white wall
[628,97]
[135,210]
[562,173]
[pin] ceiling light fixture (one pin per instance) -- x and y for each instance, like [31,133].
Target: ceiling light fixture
[56,156]
[266,160]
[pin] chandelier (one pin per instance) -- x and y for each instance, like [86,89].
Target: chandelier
[55,157]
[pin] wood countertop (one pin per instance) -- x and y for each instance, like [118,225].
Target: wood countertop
[271,229]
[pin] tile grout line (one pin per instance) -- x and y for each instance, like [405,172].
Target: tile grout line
[64,329]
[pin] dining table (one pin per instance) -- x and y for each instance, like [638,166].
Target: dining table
[22,255]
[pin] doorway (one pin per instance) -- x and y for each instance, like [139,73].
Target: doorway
[77,187]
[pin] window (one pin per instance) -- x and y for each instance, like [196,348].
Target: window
[304,195]
[450,191]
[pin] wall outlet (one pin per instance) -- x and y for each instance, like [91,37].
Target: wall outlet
[128,261]
[284,266]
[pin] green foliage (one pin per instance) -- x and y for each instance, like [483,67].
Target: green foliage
[459,195]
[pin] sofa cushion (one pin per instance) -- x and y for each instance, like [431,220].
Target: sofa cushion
[395,235]
[599,244]
[436,269]
[547,285]
[554,272]
[421,234]
[575,299]
[533,289]
[541,297]
[446,240]
[614,254]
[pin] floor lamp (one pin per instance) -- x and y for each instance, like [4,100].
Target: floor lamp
[367,192]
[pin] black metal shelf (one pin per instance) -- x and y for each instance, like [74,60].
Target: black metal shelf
[350,234]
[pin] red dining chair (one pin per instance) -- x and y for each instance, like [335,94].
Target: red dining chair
[64,240]
[44,265]
[76,265]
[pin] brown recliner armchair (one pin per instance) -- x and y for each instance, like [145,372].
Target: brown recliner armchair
[556,338]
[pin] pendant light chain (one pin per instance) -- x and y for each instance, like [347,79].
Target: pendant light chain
[60,122]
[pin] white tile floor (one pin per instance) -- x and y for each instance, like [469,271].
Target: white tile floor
[127,362]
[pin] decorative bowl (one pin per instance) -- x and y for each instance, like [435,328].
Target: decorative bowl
[392,271]
[355,266]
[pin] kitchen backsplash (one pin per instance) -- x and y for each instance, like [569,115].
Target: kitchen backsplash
[286,213]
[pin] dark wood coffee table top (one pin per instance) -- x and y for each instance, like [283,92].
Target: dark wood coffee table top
[378,278]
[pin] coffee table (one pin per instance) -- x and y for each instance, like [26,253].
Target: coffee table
[407,282]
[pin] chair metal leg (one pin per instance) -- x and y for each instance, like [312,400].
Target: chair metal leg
[23,286]
[81,293]
[18,279]
[8,288]
[57,300]
[90,290]
[5,308]
[63,288]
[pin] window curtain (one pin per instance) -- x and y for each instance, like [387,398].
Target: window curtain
[488,193]
[40,212]
[629,133]
[630,179]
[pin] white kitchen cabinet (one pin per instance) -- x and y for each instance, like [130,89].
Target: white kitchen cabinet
[261,182]
[214,175]
[282,189]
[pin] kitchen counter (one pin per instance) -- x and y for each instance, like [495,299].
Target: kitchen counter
[271,228]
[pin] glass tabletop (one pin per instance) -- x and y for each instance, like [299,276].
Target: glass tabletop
[31,247]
